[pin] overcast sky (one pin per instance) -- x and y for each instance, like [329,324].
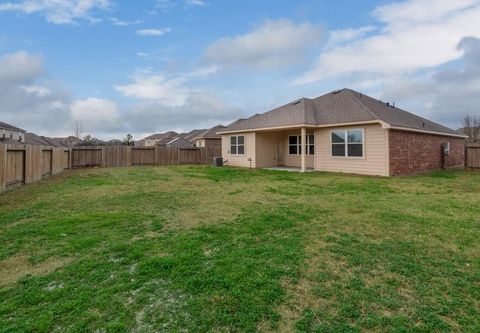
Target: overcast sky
[155,65]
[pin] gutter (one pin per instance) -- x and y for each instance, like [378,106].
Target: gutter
[406,129]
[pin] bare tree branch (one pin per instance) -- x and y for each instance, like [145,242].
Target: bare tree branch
[77,129]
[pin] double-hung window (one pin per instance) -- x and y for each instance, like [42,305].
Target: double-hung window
[347,143]
[295,144]
[237,145]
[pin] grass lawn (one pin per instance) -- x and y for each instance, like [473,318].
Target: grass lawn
[197,249]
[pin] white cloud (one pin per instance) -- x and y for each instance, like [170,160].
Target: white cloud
[58,11]
[415,34]
[195,2]
[20,67]
[124,23]
[97,115]
[37,90]
[444,95]
[275,43]
[32,101]
[166,5]
[166,91]
[152,32]
[163,89]
[172,102]
[346,35]
[200,110]
[29,99]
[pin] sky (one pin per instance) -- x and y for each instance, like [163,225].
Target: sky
[149,66]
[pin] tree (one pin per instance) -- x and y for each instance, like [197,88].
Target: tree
[89,140]
[471,125]
[128,141]
[77,129]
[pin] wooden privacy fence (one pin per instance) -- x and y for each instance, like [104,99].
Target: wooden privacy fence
[472,155]
[23,164]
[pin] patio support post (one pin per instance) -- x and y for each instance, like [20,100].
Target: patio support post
[304,148]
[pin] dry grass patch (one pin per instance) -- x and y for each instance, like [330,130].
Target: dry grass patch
[19,266]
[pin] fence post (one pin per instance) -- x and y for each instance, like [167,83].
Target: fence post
[103,162]
[3,167]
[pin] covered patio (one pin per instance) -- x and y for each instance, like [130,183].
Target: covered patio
[289,149]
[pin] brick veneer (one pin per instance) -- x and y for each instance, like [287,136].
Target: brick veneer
[416,152]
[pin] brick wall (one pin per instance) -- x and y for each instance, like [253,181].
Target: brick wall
[415,152]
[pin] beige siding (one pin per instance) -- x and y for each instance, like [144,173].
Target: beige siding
[240,160]
[374,162]
[296,160]
[200,143]
[266,149]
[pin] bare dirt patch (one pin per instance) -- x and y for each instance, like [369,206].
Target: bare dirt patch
[18,266]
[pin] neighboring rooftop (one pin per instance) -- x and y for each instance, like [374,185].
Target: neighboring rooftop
[169,134]
[34,139]
[10,127]
[211,133]
[190,136]
[337,107]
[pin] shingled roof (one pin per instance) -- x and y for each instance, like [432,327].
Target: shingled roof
[211,133]
[337,107]
[169,134]
[10,127]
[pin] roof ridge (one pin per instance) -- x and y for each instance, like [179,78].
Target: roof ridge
[310,101]
[360,103]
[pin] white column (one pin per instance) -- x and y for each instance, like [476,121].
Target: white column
[304,148]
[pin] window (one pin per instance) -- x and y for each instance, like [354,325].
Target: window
[310,144]
[347,143]
[295,144]
[237,145]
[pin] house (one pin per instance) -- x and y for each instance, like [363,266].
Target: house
[166,139]
[342,131]
[159,139]
[11,134]
[69,141]
[190,136]
[36,140]
[40,140]
[472,133]
[179,142]
[210,138]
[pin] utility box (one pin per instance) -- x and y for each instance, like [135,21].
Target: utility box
[446,148]
[217,162]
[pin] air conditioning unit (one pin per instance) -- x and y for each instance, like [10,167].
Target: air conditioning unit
[217,162]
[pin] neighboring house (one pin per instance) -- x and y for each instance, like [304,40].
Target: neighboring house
[70,141]
[11,134]
[179,142]
[473,133]
[190,136]
[159,139]
[210,138]
[342,131]
[34,139]
[139,143]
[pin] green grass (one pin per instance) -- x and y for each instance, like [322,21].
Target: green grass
[199,249]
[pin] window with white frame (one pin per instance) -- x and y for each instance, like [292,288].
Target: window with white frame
[310,144]
[237,145]
[295,144]
[347,143]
